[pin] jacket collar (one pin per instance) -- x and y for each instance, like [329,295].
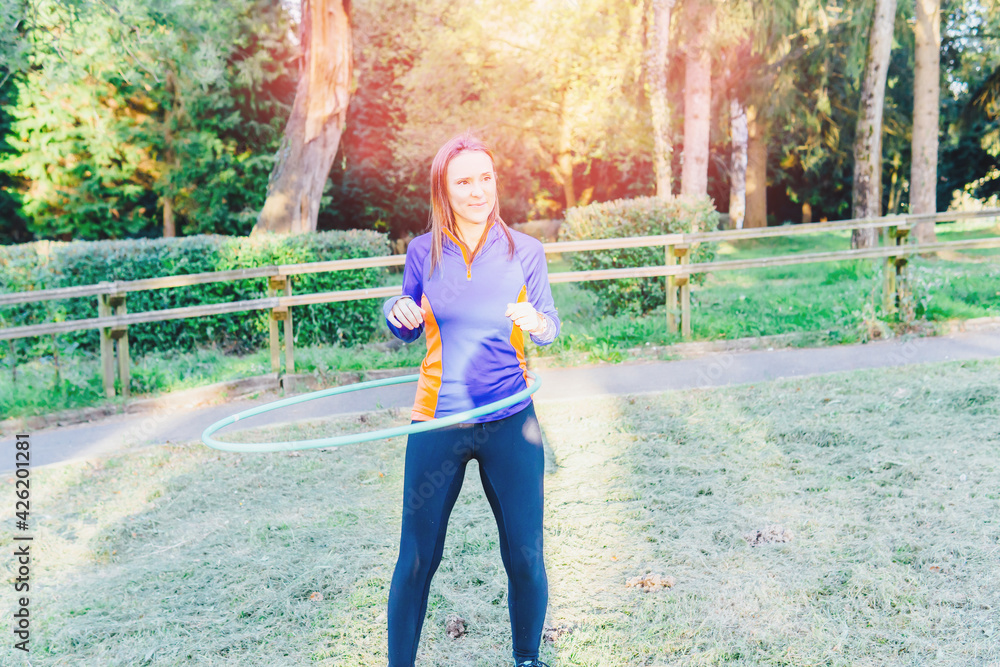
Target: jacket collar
[490,230]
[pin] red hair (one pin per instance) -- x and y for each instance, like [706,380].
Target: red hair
[442,216]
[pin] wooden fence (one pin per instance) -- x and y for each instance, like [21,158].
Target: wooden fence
[113,319]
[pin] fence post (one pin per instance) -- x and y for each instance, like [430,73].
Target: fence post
[275,283]
[684,282]
[13,360]
[901,234]
[889,277]
[107,348]
[289,338]
[671,291]
[120,334]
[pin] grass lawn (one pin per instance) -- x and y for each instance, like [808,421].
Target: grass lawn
[886,482]
[830,303]
[80,386]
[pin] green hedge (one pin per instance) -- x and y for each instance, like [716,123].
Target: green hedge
[47,264]
[643,216]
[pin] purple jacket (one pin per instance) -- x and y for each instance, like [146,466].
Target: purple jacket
[475,354]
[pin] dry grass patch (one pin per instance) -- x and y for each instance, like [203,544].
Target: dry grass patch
[887,480]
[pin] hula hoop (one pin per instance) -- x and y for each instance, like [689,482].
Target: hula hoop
[336,441]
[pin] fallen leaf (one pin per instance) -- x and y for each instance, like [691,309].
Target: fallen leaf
[768,535]
[551,633]
[649,582]
[455,626]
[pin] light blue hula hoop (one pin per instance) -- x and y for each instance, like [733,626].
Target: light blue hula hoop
[419,427]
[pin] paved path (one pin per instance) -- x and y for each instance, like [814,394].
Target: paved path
[128,431]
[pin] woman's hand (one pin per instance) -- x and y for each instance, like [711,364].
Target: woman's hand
[526,317]
[406,313]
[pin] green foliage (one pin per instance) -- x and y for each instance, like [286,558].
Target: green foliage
[13,54]
[567,72]
[130,105]
[13,227]
[367,189]
[15,50]
[45,264]
[644,216]
[812,107]
[969,160]
[110,109]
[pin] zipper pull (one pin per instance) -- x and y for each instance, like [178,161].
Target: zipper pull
[468,273]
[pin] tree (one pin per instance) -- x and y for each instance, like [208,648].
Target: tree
[80,176]
[756,213]
[736,63]
[697,98]
[867,191]
[313,132]
[14,52]
[657,59]
[15,49]
[970,109]
[139,105]
[553,86]
[367,189]
[926,105]
[740,134]
[765,41]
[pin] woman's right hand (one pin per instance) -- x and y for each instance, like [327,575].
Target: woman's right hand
[406,313]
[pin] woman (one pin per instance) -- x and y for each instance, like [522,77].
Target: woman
[475,287]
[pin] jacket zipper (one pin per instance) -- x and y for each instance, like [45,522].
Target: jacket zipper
[468,261]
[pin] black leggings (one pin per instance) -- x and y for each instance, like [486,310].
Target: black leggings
[511,463]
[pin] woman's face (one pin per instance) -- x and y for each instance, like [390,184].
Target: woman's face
[472,187]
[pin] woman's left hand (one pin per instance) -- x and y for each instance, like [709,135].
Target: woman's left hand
[526,317]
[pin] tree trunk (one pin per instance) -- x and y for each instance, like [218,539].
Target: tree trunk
[563,167]
[738,164]
[656,71]
[867,190]
[313,131]
[756,215]
[171,120]
[169,225]
[895,191]
[563,170]
[697,103]
[926,106]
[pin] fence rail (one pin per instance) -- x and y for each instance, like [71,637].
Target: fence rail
[113,320]
[764,262]
[185,280]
